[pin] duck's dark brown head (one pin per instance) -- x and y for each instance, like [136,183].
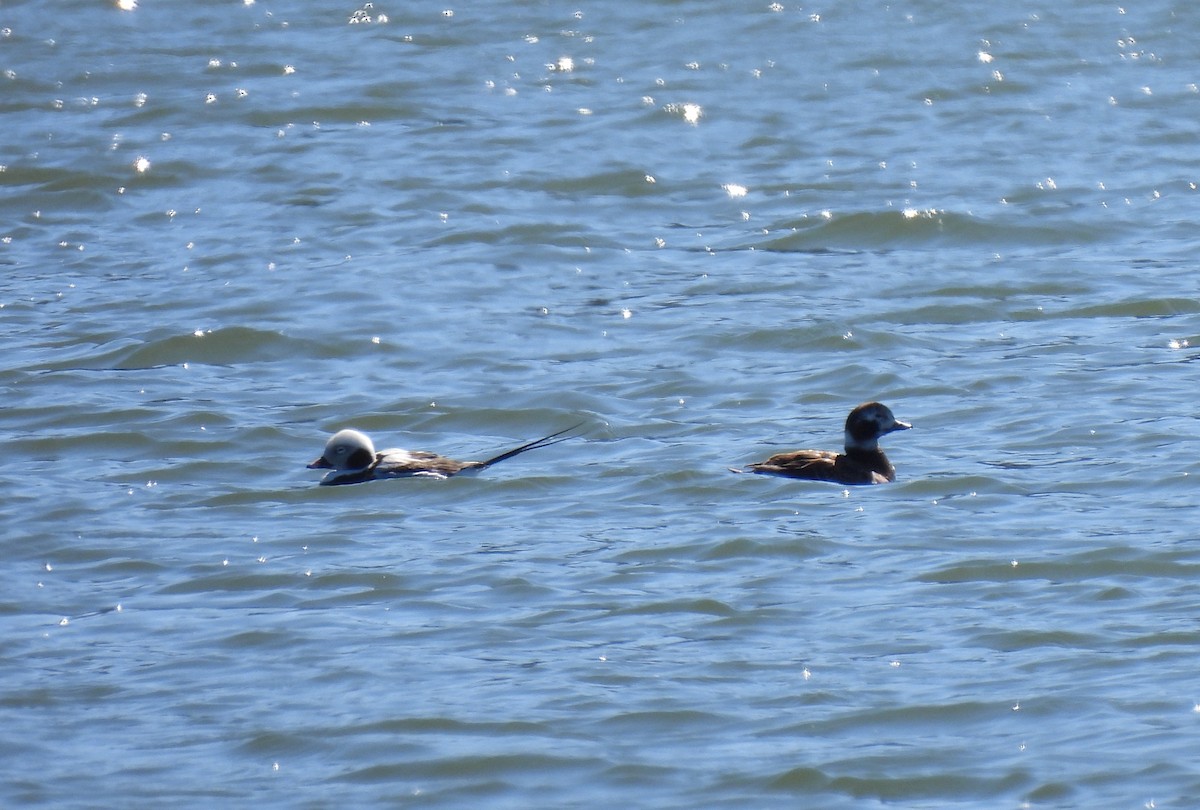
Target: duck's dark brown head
[867,423]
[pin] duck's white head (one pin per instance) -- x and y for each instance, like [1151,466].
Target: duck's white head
[346,450]
[868,422]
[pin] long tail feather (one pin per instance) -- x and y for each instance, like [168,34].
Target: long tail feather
[545,441]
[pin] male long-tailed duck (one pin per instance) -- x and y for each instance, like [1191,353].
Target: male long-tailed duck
[351,456]
[862,463]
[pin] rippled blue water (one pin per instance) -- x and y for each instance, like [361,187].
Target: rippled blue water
[228,229]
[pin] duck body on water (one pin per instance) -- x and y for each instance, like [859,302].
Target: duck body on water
[351,457]
[863,461]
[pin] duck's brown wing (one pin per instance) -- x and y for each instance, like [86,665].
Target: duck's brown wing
[817,465]
[814,465]
[407,463]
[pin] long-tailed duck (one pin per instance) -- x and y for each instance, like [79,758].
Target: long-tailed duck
[862,463]
[351,456]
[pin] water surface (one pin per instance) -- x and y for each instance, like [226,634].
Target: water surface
[227,230]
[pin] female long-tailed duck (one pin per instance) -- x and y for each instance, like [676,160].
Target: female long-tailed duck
[351,456]
[862,463]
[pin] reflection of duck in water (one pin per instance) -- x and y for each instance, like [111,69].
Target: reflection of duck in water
[351,456]
[862,463]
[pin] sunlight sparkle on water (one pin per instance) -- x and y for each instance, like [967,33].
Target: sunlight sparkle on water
[690,112]
[914,213]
